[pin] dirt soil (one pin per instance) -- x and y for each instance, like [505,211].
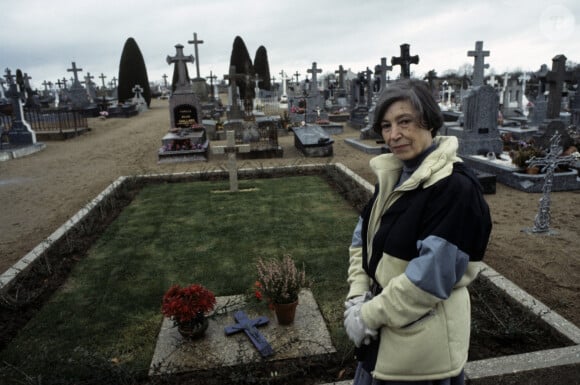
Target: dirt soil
[42,191]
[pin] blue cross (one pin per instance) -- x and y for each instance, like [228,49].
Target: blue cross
[250,328]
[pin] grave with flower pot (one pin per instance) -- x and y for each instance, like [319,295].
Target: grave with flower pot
[304,341]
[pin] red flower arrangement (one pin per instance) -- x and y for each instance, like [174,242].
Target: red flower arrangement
[186,304]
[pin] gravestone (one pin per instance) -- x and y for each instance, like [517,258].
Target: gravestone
[478,66]
[405,61]
[187,139]
[184,105]
[381,70]
[553,124]
[198,84]
[313,99]
[230,149]
[21,133]
[313,141]
[138,99]
[77,94]
[234,112]
[479,135]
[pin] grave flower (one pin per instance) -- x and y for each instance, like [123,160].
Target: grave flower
[280,280]
[187,304]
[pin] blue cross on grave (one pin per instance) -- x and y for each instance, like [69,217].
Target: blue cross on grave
[250,328]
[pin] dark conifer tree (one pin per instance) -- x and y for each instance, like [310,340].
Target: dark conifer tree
[132,71]
[240,58]
[262,68]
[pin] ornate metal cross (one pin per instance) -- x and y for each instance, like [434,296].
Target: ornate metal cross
[548,164]
[249,327]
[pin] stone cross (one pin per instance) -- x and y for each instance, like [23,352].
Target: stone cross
[45,84]
[340,72]
[405,61]
[478,66]
[548,164]
[2,96]
[88,79]
[369,77]
[64,82]
[232,77]
[493,82]
[283,76]
[556,78]
[211,78]
[248,326]
[504,87]
[524,78]
[21,132]
[165,80]
[180,61]
[114,82]
[231,148]
[74,70]
[137,90]
[297,76]
[314,71]
[195,43]
[381,70]
[103,77]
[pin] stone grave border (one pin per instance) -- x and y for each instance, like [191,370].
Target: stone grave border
[544,366]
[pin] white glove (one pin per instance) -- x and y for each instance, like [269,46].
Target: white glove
[355,327]
[358,299]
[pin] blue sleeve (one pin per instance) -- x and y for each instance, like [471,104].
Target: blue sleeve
[439,266]
[356,235]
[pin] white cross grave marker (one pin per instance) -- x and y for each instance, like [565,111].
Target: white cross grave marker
[231,148]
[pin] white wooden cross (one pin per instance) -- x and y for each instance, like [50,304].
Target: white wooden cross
[231,148]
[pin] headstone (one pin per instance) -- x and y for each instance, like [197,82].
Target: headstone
[381,71]
[77,95]
[478,66]
[195,43]
[138,99]
[234,112]
[405,61]
[556,78]
[187,139]
[231,148]
[479,135]
[341,84]
[21,132]
[184,105]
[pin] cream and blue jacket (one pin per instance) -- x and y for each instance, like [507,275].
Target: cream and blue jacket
[421,243]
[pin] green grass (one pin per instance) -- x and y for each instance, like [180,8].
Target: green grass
[109,308]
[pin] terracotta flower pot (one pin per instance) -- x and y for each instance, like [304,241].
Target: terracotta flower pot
[285,312]
[532,170]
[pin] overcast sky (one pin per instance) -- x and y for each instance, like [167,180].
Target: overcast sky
[43,38]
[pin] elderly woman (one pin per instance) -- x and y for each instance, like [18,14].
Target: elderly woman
[415,249]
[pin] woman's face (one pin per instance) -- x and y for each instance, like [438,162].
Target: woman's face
[402,133]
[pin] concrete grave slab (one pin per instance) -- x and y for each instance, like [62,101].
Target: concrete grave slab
[308,336]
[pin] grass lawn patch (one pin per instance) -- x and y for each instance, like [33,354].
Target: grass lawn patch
[103,322]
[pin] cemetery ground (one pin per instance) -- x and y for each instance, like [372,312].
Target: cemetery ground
[42,191]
